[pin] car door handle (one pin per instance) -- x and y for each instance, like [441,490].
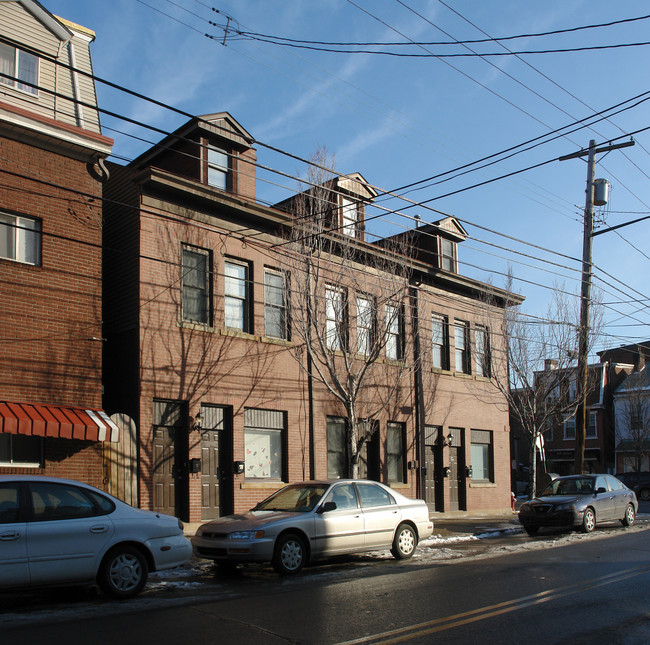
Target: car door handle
[14,535]
[99,529]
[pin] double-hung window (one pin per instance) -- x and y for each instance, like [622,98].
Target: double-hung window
[335,317]
[337,461]
[448,255]
[592,431]
[196,286]
[394,333]
[569,428]
[439,342]
[218,165]
[264,441]
[20,65]
[365,325]
[20,238]
[237,296]
[350,217]
[461,347]
[396,453]
[275,304]
[482,355]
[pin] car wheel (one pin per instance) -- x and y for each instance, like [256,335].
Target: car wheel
[644,494]
[531,530]
[123,572]
[629,517]
[588,520]
[289,555]
[404,542]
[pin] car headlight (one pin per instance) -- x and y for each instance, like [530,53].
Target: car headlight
[525,507]
[245,535]
[564,507]
[199,531]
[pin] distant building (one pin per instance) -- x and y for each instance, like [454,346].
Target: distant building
[52,149]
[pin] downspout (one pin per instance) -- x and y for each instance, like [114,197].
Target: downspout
[75,88]
[310,398]
[418,388]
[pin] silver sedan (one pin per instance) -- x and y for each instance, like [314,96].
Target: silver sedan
[304,522]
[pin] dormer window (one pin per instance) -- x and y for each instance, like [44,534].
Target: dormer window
[447,255]
[20,65]
[218,168]
[350,217]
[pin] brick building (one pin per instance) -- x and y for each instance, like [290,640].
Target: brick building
[204,353]
[50,248]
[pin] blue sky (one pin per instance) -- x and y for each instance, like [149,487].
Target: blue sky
[399,120]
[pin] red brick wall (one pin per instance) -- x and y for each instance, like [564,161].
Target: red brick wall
[50,313]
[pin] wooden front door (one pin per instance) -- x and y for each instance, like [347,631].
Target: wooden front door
[170,454]
[453,479]
[216,463]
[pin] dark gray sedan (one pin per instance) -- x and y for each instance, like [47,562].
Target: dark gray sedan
[581,502]
[304,522]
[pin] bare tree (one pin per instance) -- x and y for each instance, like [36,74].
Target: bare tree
[348,304]
[633,418]
[538,374]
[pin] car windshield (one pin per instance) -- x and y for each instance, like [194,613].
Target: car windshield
[572,486]
[299,498]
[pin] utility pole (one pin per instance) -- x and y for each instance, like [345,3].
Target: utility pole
[585,297]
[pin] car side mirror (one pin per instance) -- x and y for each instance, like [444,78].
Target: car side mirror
[601,490]
[327,506]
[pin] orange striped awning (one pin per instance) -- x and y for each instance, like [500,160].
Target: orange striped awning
[57,421]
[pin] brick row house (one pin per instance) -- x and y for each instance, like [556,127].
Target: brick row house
[205,353]
[606,445]
[51,150]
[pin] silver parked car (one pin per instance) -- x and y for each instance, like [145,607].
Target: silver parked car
[580,501]
[303,522]
[57,532]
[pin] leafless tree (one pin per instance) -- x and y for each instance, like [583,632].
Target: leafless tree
[348,306]
[538,374]
[633,418]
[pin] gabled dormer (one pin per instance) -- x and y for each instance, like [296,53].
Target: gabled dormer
[213,150]
[437,243]
[47,94]
[341,201]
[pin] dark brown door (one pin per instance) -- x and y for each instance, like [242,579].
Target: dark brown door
[429,479]
[216,462]
[453,478]
[170,459]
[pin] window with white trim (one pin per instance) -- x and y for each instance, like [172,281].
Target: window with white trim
[461,347]
[276,316]
[335,317]
[196,286]
[218,167]
[569,426]
[447,255]
[20,65]
[394,332]
[20,239]
[350,217]
[237,295]
[365,325]
[440,342]
[482,354]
